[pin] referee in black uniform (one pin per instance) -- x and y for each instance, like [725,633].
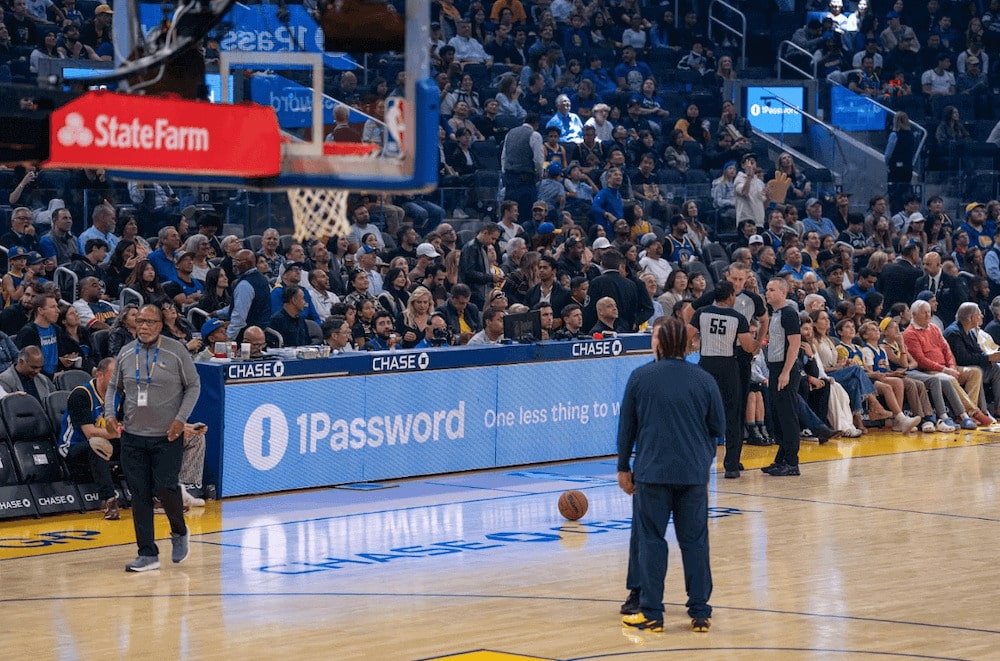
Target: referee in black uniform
[784,371]
[723,332]
[751,306]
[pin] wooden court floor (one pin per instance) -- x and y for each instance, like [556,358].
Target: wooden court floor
[885,547]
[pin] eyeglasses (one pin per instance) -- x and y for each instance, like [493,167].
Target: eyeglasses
[146,322]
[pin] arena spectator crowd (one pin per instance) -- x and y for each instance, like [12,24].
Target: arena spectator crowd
[588,117]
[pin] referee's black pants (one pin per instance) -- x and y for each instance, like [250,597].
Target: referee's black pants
[785,408]
[726,371]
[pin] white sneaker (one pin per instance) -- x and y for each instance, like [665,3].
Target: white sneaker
[459,213]
[945,425]
[189,500]
[927,427]
[896,425]
[852,433]
[907,423]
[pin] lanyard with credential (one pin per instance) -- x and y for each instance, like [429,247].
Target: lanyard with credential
[143,388]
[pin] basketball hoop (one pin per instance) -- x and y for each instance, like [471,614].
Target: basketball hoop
[322,212]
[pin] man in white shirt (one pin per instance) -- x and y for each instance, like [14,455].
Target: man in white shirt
[751,193]
[319,291]
[467,49]
[653,261]
[939,81]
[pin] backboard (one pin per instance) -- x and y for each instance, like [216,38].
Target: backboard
[273,56]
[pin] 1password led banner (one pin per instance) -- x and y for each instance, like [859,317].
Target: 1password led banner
[298,434]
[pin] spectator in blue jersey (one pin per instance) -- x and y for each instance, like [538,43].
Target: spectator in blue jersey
[44,332]
[677,246]
[88,445]
[979,228]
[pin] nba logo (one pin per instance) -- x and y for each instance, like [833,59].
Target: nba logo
[395,127]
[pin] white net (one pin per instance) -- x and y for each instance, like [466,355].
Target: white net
[319,212]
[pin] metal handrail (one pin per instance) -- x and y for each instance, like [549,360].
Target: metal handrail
[740,34]
[62,272]
[128,291]
[829,127]
[785,46]
[921,129]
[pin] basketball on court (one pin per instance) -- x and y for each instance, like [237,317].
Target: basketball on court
[573,504]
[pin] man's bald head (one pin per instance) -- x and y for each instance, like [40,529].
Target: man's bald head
[244,260]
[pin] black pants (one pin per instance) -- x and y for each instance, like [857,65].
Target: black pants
[726,372]
[653,506]
[81,455]
[520,187]
[785,408]
[151,465]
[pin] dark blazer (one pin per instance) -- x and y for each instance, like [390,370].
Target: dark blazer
[559,298]
[951,293]
[967,351]
[624,291]
[897,281]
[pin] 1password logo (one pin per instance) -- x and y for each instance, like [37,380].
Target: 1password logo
[265,437]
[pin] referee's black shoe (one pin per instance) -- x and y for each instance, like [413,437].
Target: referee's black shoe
[732,475]
[784,470]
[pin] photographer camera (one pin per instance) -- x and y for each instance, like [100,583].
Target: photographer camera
[437,333]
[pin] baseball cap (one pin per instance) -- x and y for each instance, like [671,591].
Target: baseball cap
[892,14]
[756,238]
[972,59]
[825,256]
[728,163]
[17,251]
[554,169]
[211,326]
[427,250]
[925,295]
[103,9]
[811,201]
[540,205]
[648,239]
[35,258]
[435,25]
[571,241]
[600,243]
[916,217]
[190,254]
[884,323]
[749,154]
[295,265]
[548,228]
[972,205]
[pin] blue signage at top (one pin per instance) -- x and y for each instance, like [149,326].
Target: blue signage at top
[256,28]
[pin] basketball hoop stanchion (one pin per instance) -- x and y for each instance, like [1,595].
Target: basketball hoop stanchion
[322,212]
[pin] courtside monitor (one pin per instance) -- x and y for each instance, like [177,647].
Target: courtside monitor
[774,108]
[525,327]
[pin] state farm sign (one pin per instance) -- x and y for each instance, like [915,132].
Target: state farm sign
[147,134]
[117,134]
